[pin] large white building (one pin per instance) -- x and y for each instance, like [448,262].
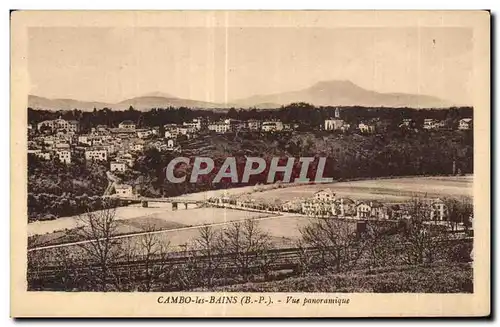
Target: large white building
[127,124]
[118,166]
[67,126]
[325,195]
[96,155]
[219,127]
[334,124]
[272,126]
[196,124]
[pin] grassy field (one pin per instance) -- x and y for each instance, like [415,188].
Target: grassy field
[384,190]
[435,278]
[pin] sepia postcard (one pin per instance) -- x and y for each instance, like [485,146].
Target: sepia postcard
[250,163]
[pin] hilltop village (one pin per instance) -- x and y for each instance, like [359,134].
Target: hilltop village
[74,162]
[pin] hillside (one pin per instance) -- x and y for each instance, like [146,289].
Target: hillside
[37,102]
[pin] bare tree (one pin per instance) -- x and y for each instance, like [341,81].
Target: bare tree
[335,241]
[71,273]
[98,229]
[305,258]
[128,257]
[422,241]
[381,245]
[210,246]
[420,244]
[248,247]
[154,252]
[459,212]
[187,275]
[417,209]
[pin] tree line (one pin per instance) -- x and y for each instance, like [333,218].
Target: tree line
[303,113]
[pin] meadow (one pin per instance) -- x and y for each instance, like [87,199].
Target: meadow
[384,190]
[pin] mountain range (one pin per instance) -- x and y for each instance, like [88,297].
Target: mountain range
[326,93]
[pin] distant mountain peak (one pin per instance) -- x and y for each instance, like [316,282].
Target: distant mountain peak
[158,94]
[323,93]
[346,93]
[335,82]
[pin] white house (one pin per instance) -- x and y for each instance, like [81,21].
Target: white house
[61,145]
[85,139]
[170,143]
[334,124]
[366,128]
[219,127]
[432,124]
[171,130]
[325,195]
[465,124]
[371,210]
[196,124]
[438,210]
[407,123]
[344,207]
[96,155]
[64,156]
[315,208]
[144,133]
[69,126]
[127,124]
[137,146]
[118,166]
[49,140]
[124,190]
[45,155]
[272,126]
[254,125]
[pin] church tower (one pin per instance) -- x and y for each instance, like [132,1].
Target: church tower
[337,113]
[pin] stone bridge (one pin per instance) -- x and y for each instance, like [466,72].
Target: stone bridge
[175,201]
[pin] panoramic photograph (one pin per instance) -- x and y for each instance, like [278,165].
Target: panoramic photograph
[250,159]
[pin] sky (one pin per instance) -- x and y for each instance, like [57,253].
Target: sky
[220,65]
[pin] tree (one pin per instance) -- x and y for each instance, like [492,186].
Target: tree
[98,228]
[459,212]
[422,241]
[210,246]
[248,247]
[335,241]
[381,245]
[187,275]
[154,254]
